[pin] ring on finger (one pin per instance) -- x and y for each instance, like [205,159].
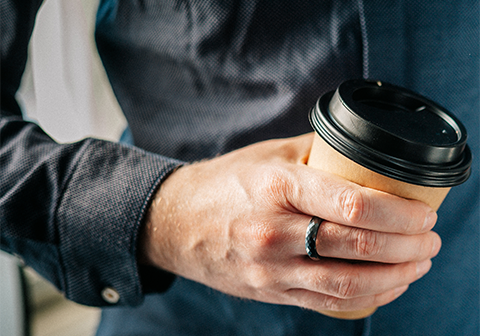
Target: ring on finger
[311,238]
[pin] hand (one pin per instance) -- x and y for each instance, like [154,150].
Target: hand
[237,223]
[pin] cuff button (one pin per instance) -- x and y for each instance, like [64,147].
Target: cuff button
[110,295]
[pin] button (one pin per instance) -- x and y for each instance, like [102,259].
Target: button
[110,295]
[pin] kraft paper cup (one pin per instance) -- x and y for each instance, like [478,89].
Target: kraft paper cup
[388,138]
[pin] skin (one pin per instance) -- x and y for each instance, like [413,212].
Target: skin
[237,224]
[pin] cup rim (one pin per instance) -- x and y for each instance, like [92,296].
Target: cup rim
[451,172]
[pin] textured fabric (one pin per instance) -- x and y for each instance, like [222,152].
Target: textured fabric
[199,78]
[70,211]
[224,74]
[433,48]
[189,308]
[428,47]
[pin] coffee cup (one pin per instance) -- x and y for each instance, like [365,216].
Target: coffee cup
[385,137]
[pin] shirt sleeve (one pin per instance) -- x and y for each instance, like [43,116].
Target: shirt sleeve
[71,211]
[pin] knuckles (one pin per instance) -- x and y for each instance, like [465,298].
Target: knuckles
[276,182]
[342,288]
[264,237]
[346,285]
[332,303]
[276,188]
[366,243]
[361,243]
[342,285]
[354,206]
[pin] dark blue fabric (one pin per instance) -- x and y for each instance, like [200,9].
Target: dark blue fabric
[189,308]
[433,48]
[70,211]
[199,78]
[218,75]
[429,47]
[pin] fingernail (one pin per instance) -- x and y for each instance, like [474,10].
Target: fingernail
[423,267]
[430,220]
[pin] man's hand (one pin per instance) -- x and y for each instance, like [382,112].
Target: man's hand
[237,223]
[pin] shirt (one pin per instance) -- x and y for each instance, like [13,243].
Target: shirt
[197,79]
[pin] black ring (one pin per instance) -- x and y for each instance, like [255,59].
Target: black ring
[311,238]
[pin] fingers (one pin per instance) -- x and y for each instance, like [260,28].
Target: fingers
[349,280]
[339,241]
[329,197]
[345,242]
[337,285]
[316,193]
[319,301]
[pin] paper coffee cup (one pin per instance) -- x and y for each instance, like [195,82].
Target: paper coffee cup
[391,139]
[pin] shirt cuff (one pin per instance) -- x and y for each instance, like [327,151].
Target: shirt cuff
[99,217]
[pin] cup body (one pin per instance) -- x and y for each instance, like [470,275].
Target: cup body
[391,139]
[324,157]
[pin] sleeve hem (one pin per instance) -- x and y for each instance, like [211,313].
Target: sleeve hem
[99,218]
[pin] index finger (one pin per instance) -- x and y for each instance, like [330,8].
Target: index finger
[330,197]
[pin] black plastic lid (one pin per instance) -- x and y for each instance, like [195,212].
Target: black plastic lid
[395,132]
